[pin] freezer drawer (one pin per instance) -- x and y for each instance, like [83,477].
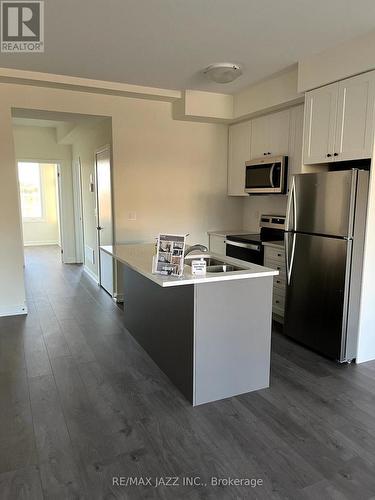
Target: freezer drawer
[316,296]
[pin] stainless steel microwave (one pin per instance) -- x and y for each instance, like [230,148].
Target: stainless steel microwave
[266,175]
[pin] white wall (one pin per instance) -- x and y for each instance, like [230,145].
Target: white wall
[12,291]
[255,206]
[46,230]
[272,93]
[366,337]
[39,144]
[336,63]
[85,142]
[173,174]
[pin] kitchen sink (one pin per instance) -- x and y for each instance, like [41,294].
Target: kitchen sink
[216,266]
[223,268]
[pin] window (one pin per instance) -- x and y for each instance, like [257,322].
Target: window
[31,191]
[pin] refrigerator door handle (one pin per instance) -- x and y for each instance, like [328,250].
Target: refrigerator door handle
[286,245]
[289,263]
[291,200]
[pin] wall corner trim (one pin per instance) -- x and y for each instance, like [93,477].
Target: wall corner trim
[16,310]
[39,79]
[91,275]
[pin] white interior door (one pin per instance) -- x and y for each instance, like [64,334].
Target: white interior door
[104,217]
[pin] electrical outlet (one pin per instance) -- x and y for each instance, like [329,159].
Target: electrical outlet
[132,216]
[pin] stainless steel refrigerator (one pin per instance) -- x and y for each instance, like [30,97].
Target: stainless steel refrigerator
[324,240]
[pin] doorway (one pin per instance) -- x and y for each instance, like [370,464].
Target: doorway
[78,143]
[40,191]
[104,213]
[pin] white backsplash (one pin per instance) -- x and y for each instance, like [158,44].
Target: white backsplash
[255,206]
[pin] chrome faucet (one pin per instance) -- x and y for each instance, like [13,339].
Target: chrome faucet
[200,248]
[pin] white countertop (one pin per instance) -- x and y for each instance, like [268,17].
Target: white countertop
[228,232]
[139,258]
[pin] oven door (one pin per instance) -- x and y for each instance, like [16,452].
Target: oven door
[265,176]
[250,252]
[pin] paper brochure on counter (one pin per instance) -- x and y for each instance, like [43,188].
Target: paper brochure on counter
[170,254]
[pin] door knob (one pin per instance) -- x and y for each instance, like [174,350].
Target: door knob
[99,228]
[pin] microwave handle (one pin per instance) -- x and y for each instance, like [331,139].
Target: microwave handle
[271,175]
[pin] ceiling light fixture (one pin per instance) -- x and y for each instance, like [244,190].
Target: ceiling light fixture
[223,72]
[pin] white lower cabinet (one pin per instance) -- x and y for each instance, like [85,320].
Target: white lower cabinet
[217,244]
[275,259]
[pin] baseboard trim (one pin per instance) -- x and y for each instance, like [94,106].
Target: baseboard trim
[118,298]
[40,243]
[13,310]
[91,275]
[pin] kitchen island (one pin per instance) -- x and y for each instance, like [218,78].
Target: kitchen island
[211,335]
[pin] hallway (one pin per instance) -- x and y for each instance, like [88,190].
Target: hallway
[82,403]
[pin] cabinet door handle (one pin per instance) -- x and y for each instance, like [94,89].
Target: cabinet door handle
[335,154]
[329,155]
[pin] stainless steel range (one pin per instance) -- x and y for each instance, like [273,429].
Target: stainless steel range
[249,247]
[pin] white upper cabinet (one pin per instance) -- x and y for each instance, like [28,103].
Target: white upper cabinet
[278,130]
[339,121]
[238,154]
[259,137]
[273,134]
[355,117]
[295,142]
[270,134]
[319,126]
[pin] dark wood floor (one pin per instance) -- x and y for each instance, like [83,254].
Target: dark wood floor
[81,403]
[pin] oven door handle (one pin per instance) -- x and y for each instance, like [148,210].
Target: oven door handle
[249,246]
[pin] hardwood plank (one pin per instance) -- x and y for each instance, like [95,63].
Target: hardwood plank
[17,444]
[89,428]
[22,484]
[101,408]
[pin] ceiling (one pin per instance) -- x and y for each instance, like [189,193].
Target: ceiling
[166,43]
[31,122]
[65,122]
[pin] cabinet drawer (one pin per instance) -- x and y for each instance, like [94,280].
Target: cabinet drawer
[278,301]
[274,253]
[279,288]
[279,266]
[279,281]
[217,244]
[279,311]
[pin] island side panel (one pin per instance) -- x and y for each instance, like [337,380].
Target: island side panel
[232,343]
[162,322]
